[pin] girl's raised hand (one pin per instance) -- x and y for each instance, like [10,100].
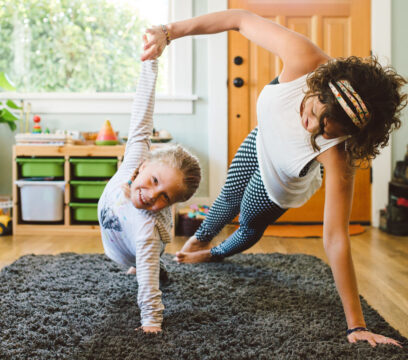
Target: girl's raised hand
[372,338]
[154,43]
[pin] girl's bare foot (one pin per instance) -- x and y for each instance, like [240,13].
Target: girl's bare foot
[193,257]
[193,244]
[131,271]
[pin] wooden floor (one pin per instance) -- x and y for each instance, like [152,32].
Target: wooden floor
[381,261]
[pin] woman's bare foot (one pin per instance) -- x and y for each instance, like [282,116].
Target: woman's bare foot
[131,271]
[193,244]
[194,257]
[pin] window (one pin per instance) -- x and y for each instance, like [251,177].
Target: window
[86,49]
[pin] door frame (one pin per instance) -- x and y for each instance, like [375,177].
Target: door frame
[218,105]
[382,164]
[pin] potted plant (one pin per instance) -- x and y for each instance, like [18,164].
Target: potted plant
[6,116]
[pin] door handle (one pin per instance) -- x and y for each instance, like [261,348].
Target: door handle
[238,60]
[238,82]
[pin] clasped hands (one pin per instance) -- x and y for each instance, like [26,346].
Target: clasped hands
[154,43]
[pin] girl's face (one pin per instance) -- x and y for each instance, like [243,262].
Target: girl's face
[156,186]
[310,114]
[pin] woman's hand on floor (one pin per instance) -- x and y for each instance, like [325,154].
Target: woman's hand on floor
[154,43]
[373,339]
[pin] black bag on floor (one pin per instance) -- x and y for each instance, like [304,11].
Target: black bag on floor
[397,218]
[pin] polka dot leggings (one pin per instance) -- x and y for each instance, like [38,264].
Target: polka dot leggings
[244,193]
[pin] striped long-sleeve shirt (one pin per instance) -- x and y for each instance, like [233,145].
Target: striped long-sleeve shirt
[131,236]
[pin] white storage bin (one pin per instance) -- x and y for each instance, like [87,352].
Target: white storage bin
[42,200]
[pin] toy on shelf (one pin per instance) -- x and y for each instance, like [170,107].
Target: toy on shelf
[37,126]
[106,135]
[190,219]
[198,211]
[5,216]
[40,139]
[161,136]
[5,225]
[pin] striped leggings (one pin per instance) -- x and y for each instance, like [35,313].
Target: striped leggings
[244,193]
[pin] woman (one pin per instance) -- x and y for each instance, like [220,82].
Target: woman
[334,112]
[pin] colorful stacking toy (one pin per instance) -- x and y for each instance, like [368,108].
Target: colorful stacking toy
[106,135]
[190,219]
[198,211]
[37,126]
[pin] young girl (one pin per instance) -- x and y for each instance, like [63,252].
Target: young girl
[134,209]
[334,112]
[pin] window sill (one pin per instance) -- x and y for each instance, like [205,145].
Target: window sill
[99,103]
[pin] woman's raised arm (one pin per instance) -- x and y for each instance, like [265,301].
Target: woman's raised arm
[298,53]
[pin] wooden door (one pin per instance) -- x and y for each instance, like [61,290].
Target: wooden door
[341,28]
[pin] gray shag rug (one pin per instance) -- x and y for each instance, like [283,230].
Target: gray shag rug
[271,306]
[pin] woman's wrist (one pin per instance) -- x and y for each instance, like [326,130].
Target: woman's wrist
[355,329]
[166,33]
[171,29]
[356,324]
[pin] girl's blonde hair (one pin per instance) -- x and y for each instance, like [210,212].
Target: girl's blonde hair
[179,158]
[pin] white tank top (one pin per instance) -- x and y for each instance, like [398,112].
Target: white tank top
[284,147]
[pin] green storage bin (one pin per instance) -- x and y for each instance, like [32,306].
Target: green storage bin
[85,211]
[92,168]
[81,189]
[41,167]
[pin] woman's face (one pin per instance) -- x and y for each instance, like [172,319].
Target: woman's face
[310,115]
[156,186]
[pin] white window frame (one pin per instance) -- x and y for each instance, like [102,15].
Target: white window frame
[217,106]
[180,84]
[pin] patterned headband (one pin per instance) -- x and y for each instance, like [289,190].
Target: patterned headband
[360,117]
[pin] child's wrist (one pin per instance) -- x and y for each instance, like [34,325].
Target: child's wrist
[151,322]
[152,325]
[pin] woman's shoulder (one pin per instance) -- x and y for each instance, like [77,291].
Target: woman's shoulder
[334,159]
[283,93]
[298,69]
[284,79]
[298,82]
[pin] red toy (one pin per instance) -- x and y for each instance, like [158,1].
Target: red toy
[37,126]
[106,135]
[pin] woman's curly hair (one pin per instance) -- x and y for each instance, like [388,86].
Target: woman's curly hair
[380,89]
